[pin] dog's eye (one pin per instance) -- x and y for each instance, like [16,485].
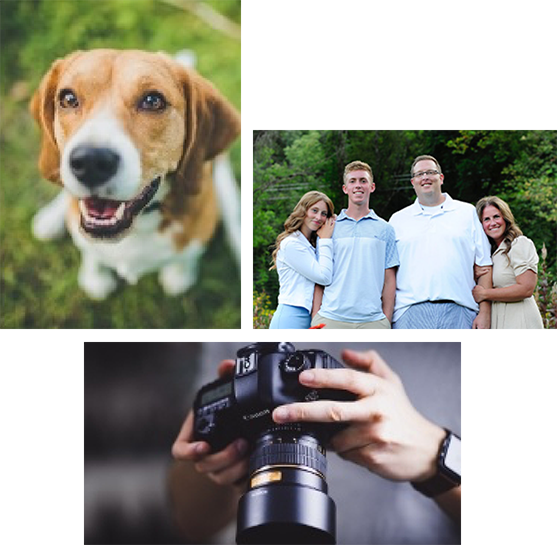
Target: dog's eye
[68,99]
[153,102]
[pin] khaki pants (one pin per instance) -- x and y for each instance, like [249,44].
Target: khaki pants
[334,324]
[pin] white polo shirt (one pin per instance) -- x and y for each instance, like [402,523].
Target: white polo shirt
[437,250]
[300,266]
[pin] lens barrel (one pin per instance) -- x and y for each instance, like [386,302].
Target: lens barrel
[287,502]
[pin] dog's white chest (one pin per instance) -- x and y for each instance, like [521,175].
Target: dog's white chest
[132,257]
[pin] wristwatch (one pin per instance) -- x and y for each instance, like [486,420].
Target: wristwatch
[448,469]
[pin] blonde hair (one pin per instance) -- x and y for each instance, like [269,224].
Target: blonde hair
[512,230]
[296,219]
[356,165]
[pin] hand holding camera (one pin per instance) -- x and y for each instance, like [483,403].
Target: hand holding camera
[225,467]
[386,433]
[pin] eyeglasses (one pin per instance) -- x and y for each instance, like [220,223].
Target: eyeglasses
[425,173]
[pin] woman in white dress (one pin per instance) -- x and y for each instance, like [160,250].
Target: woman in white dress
[515,269]
[303,257]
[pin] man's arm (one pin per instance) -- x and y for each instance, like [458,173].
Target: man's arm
[524,288]
[193,495]
[388,294]
[317,298]
[483,319]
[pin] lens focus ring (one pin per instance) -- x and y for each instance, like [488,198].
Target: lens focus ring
[290,454]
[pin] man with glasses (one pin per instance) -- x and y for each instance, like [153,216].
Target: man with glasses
[439,240]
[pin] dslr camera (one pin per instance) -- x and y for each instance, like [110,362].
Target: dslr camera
[287,500]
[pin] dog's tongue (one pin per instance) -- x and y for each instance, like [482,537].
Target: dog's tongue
[101,208]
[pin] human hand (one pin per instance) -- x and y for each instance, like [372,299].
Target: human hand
[483,319]
[326,230]
[226,467]
[479,293]
[386,434]
[481,271]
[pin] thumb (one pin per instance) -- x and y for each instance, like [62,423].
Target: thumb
[226,368]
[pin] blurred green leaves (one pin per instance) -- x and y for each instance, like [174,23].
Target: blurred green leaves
[36,32]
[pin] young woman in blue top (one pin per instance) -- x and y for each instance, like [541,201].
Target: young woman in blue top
[303,257]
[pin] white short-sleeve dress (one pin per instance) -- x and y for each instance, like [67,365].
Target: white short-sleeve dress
[520,314]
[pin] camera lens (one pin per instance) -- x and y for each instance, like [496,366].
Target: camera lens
[287,501]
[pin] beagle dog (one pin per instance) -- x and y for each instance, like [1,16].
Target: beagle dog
[134,138]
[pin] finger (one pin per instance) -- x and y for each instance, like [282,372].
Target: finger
[234,474]
[358,383]
[355,436]
[363,456]
[219,461]
[185,450]
[371,362]
[323,411]
[226,368]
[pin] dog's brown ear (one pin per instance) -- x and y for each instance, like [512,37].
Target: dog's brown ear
[212,124]
[42,108]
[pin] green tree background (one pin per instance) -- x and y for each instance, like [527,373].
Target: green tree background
[38,286]
[519,166]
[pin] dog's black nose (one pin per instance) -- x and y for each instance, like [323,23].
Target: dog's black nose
[93,166]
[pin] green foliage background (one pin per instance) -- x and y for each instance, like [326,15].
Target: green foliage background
[519,166]
[39,280]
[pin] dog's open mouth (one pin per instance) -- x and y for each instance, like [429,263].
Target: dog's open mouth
[105,218]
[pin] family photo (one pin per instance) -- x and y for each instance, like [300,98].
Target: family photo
[404,229]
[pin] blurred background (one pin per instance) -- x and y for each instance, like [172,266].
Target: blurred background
[38,283]
[518,166]
[137,396]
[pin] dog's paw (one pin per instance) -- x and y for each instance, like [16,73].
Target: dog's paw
[176,279]
[97,284]
[179,276]
[49,222]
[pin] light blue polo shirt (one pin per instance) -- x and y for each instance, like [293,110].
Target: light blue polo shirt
[362,250]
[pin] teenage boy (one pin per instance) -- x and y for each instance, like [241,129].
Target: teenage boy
[361,295]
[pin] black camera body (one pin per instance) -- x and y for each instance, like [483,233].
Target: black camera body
[287,500]
[265,376]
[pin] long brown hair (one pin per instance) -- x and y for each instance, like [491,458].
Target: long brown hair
[512,230]
[296,218]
